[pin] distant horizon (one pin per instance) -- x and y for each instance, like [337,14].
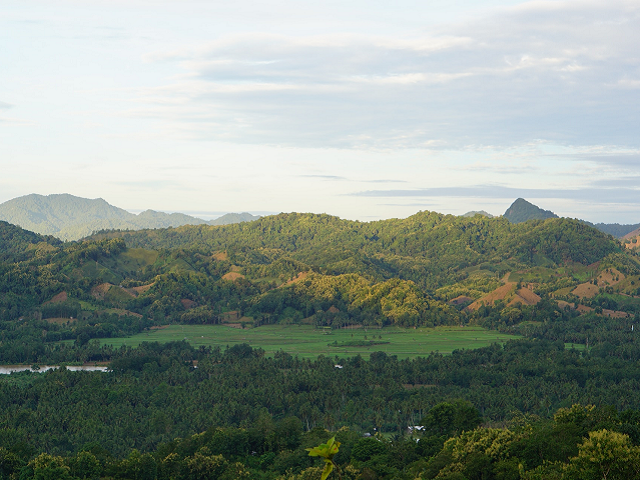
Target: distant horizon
[214,215]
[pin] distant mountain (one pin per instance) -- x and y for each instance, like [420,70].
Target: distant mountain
[473,213]
[70,218]
[230,218]
[521,211]
[617,230]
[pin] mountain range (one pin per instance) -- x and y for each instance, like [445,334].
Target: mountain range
[70,218]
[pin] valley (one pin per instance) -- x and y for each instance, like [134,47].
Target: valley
[238,346]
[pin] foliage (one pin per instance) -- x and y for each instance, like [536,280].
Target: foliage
[326,451]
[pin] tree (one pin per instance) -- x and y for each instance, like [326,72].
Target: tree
[605,455]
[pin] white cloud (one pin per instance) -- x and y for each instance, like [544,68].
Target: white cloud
[536,71]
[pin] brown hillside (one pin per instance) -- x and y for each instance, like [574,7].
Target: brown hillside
[585,290]
[499,293]
[589,290]
[584,309]
[142,288]
[609,278]
[232,276]
[630,235]
[564,305]
[614,313]
[524,296]
[459,300]
[101,290]
[187,304]
[61,297]
[297,278]
[220,256]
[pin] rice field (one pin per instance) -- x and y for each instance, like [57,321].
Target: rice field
[308,341]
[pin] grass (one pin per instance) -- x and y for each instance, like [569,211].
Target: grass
[309,342]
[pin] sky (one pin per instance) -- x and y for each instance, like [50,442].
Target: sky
[361,109]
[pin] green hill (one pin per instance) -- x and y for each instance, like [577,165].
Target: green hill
[70,218]
[322,270]
[428,248]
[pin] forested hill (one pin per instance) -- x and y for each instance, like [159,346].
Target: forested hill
[15,241]
[428,247]
[426,270]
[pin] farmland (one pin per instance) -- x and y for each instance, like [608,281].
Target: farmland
[308,342]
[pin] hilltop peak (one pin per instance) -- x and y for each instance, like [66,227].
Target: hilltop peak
[522,210]
[473,213]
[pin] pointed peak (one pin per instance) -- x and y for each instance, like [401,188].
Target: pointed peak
[521,210]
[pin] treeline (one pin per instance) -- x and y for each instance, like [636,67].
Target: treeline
[580,442]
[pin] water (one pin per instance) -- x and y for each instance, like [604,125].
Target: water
[6,369]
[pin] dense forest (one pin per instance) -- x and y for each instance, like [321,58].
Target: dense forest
[255,415]
[173,411]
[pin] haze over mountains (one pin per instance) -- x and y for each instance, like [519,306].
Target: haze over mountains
[70,218]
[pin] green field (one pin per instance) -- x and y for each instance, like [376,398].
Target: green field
[307,341]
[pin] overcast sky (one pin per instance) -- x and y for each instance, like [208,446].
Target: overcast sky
[362,109]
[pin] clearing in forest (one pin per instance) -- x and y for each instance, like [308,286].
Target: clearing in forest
[309,342]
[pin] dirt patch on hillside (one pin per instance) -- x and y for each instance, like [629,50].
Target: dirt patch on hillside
[499,293]
[101,290]
[61,297]
[122,312]
[614,313]
[612,277]
[220,256]
[564,305]
[460,300]
[297,278]
[59,320]
[524,296]
[232,276]
[590,290]
[187,304]
[586,290]
[141,289]
[584,309]
[528,295]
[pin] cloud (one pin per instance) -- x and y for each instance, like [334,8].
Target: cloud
[150,184]
[385,181]
[629,182]
[592,194]
[5,105]
[560,71]
[324,177]
[621,160]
